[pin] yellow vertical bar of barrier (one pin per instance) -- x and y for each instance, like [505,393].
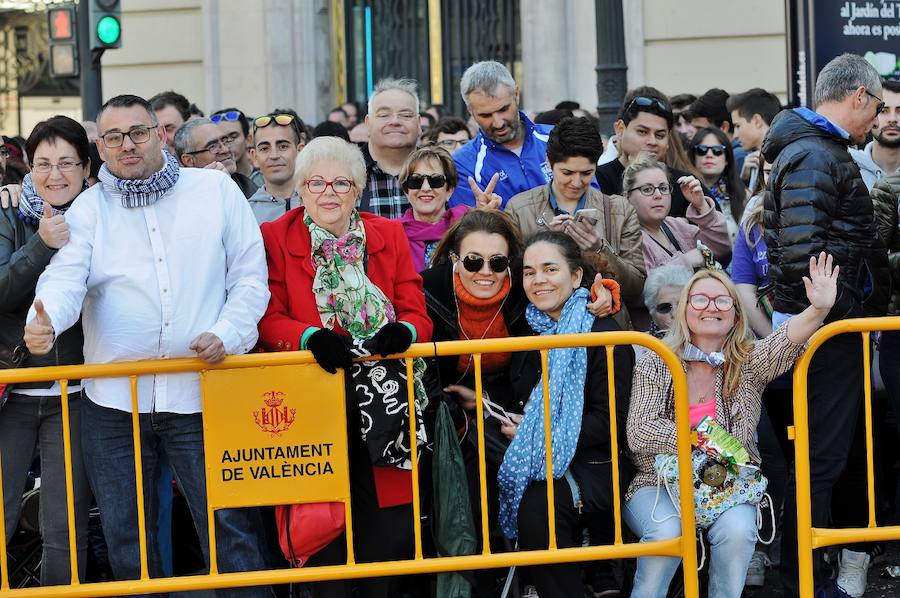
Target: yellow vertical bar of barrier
[802,477]
[211,531]
[348,509]
[4,564]
[139,476]
[482,464]
[870,463]
[548,455]
[614,443]
[414,455]
[70,489]
[685,481]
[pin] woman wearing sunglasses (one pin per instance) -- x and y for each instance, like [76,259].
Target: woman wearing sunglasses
[726,374]
[555,276]
[343,284]
[428,177]
[661,293]
[714,160]
[674,240]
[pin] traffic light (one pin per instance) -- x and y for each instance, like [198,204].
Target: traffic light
[63,40]
[106,24]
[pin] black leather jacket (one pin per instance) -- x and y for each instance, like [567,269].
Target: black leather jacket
[817,201]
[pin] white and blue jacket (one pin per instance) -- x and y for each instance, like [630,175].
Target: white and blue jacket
[481,158]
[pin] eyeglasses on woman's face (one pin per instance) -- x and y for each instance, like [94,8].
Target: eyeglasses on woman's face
[699,301]
[649,190]
[435,181]
[319,185]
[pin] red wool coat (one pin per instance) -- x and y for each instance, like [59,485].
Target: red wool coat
[292,308]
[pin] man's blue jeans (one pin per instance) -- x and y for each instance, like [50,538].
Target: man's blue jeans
[109,460]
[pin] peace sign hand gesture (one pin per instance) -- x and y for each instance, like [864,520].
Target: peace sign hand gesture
[487,199]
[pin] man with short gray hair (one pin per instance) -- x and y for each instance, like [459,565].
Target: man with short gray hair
[393,122]
[817,202]
[509,154]
[200,143]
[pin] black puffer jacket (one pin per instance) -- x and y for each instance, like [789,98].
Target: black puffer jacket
[817,201]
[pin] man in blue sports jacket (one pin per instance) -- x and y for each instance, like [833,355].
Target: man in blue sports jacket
[509,154]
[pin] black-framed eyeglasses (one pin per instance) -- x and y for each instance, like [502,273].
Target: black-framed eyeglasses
[664,308]
[64,166]
[451,144]
[645,102]
[415,181]
[474,263]
[701,149]
[339,186]
[4,153]
[700,301]
[229,115]
[878,107]
[648,190]
[213,145]
[139,134]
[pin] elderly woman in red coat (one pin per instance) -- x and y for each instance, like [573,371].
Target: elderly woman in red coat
[343,285]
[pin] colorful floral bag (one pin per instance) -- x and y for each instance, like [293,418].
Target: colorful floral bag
[730,489]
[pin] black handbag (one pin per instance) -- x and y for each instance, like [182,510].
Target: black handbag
[11,359]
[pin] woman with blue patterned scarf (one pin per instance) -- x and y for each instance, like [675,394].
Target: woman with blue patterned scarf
[555,279]
[31,418]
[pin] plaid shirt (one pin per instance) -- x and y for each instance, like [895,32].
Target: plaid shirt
[651,413]
[382,195]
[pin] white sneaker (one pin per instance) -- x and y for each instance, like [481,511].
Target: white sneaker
[530,592]
[854,569]
[756,571]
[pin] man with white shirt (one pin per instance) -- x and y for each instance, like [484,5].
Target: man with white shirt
[162,262]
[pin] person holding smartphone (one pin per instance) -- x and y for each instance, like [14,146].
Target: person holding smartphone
[605,228]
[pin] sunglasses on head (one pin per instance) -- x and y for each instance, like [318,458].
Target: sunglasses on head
[701,149]
[474,263]
[645,102]
[230,116]
[415,181]
[283,120]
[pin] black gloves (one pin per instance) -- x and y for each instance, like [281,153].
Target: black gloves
[392,338]
[330,350]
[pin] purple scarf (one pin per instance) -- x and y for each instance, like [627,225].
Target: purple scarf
[419,233]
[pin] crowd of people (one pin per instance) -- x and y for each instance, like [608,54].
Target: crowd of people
[727,226]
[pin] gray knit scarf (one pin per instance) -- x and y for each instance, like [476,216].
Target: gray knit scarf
[137,193]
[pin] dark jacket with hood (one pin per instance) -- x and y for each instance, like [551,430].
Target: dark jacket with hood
[437,283]
[817,201]
[23,257]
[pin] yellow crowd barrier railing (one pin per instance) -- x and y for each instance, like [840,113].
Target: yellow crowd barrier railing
[258,404]
[808,537]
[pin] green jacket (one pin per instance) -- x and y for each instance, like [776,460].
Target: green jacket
[885,199]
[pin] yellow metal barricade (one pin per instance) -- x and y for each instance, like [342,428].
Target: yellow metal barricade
[275,433]
[808,537]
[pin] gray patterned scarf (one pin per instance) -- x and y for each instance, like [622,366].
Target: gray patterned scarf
[31,205]
[137,193]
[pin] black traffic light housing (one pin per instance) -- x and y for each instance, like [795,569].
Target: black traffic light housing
[106,24]
[63,29]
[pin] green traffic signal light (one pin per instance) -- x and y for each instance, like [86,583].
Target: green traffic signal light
[108,30]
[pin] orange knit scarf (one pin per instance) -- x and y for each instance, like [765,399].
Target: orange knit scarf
[478,319]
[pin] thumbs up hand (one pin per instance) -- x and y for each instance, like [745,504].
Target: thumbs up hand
[54,230]
[39,334]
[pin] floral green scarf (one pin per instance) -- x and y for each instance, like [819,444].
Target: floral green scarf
[347,298]
[344,294]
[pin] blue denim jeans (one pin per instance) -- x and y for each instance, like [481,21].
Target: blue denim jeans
[109,460]
[27,423]
[731,541]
